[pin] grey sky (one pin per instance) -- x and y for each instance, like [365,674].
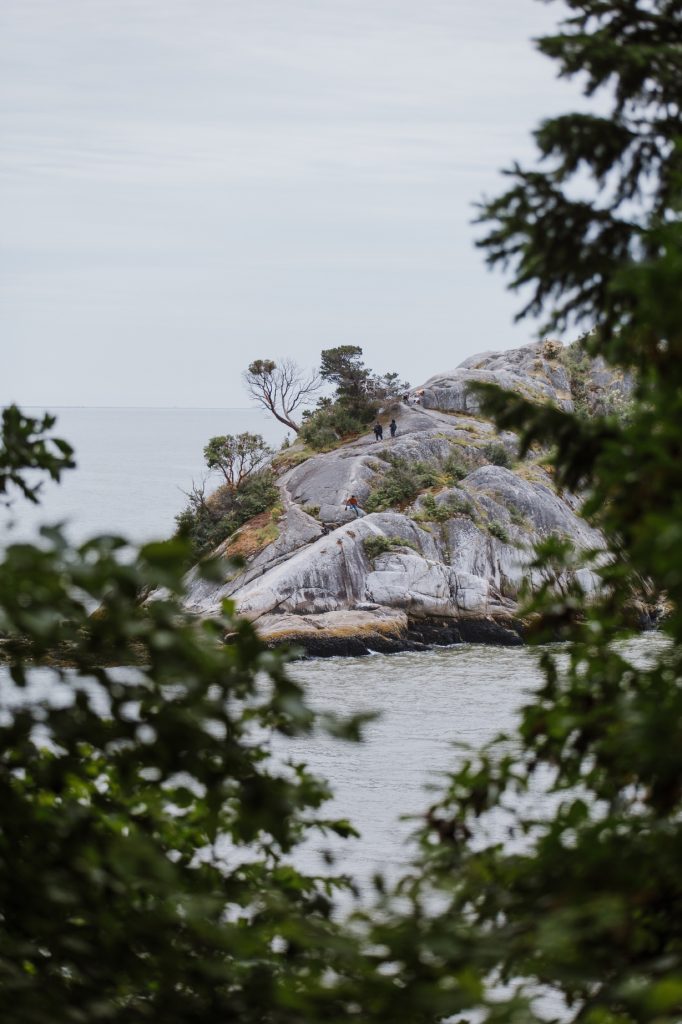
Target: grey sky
[189,184]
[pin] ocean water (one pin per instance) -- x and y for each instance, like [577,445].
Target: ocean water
[431,707]
[133,465]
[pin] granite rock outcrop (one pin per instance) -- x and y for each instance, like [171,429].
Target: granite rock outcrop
[446,567]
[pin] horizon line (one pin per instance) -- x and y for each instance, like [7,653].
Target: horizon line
[169,408]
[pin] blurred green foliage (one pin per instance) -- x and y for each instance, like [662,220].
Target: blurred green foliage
[145,828]
[27,445]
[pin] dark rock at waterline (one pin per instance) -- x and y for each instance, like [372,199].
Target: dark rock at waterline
[417,635]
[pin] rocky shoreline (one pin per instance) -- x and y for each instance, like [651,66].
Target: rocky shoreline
[447,566]
[355,637]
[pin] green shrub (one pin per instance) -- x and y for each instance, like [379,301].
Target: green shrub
[333,423]
[432,512]
[587,399]
[458,504]
[453,505]
[428,506]
[401,484]
[319,433]
[578,366]
[455,468]
[518,519]
[207,521]
[498,455]
[499,530]
[378,544]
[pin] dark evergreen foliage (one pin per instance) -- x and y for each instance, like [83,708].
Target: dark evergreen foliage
[359,395]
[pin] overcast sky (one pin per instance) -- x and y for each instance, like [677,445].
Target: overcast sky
[189,184]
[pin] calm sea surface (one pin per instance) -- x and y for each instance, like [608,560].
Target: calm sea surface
[132,467]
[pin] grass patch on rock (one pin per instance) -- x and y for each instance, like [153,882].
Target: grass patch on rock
[288,458]
[453,505]
[518,519]
[498,455]
[378,544]
[255,535]
[498,530]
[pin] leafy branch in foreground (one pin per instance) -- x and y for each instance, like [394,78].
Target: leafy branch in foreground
[146,828]
[27,445]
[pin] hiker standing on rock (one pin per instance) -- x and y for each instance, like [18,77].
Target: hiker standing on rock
[378,431]
[394,428]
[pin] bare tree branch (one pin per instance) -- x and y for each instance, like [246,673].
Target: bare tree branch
[197,495]
[281,387]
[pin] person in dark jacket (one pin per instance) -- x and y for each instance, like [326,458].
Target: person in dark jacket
[394,428]
[378,431]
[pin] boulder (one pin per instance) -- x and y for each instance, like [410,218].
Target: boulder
[328,479]
[534,501]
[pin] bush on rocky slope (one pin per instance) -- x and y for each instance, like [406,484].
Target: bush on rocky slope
[380,545]
[333,423]
[207,521]
[359,394]
[401,483]
[497,455]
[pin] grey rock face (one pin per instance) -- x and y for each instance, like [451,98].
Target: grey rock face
[383,572]
[540,506]
[523,369]
[296,530]
[534,371]
[331,478]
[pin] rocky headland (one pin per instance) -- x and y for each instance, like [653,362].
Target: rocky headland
[446,566]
